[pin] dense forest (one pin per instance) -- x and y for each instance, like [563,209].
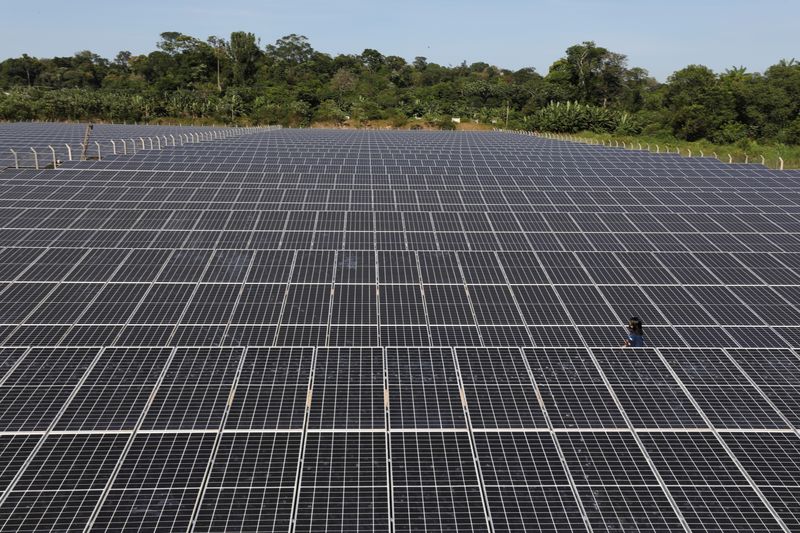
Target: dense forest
[236,80]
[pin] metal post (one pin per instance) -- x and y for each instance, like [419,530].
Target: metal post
[690,152]
[150,139]
[780,163]
[99,155]
[35,158]
[763,160]
[142,139]
[113,147]
[702,154]
[69,151]
[658,149]
[158,141]
[746,158]
[173,140]
[730,159]
[55,161]
[124,147]
[16,158]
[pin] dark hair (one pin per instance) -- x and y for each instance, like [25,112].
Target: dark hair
[636,325]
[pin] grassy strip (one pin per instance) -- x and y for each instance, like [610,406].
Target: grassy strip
[751,154]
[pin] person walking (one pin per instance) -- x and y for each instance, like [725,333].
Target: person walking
[635,334]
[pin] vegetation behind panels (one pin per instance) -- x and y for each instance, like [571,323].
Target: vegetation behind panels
[238,81]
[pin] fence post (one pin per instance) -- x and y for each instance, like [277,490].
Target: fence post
[124,147]
[690,152]
[142,139]
[715,155]
[763,160]
[99,155]
[35,158]
[16,158]
[150,140]
[780,163]
[173,140]
[623,144]
[746,158]
[702,154]
[69,151]
[730,159]
[55,161]
[658,149]
[158,141]
[113,147]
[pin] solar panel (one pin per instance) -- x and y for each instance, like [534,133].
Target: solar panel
[296,330]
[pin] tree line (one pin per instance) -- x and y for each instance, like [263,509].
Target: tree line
[237,80]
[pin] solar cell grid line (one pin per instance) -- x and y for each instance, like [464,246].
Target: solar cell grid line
[721,439]
[551,430]
[78,380]
[752,381]
[30,310]
[639,443]
[472,443]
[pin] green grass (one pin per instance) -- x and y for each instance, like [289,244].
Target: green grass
[752,154]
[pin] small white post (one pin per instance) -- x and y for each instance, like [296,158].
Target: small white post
[702,154]
[142,139]
[158,142]
[658,149]
[715,155]
[780,163]
[69,151]
[173,139]
[150,139]
[16,158]
[99,155]
[640,146]
[55,161]
[166,141]
[746,158]
[623,144]
[124,147]
[113,147]
[690,152]
[763,160]
[35,158]
[133,143]
[730,159]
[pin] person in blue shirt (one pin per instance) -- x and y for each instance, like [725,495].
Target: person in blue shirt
[635,334]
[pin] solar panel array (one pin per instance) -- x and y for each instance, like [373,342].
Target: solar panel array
[300,330]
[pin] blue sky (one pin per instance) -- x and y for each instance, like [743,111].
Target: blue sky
[661,37]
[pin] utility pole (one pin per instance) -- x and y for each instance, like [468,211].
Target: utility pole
[85,144]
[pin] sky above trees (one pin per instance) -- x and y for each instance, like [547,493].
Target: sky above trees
[508,33]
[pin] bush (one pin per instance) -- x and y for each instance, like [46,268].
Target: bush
[791,133]
[329,111]
[730,133]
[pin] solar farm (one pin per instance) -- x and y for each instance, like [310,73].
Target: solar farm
[235,330]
